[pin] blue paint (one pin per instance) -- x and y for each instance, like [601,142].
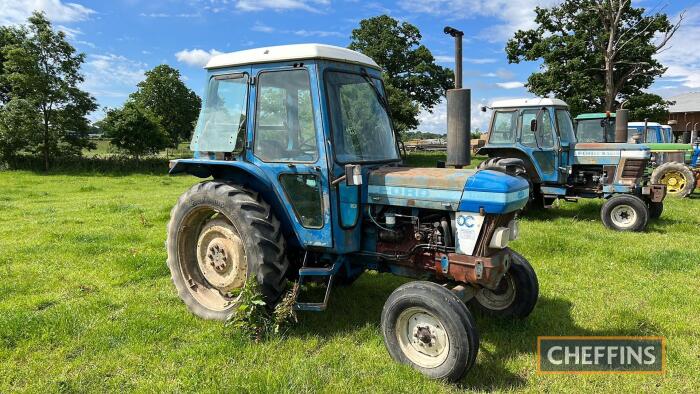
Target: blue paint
[494,192]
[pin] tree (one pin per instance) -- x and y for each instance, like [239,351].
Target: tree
[8,37]
[595,54]
[43,69]
[134,130]
[648,106]
[164,94]
[413,80]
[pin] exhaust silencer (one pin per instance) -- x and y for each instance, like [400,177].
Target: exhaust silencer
[621,120]
[458,112]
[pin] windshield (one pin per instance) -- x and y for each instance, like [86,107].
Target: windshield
[595,130]
[221,124]
[361,126]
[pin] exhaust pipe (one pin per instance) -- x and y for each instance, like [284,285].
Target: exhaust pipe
[458,112]
[621,121]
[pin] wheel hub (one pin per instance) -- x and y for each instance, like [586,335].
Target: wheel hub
[674,181]
[499,298]
[221,258]
[623,216]
[422,337]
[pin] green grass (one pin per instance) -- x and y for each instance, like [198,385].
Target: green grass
[86,302]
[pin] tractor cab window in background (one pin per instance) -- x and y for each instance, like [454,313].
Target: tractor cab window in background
[221,124]
[651,135]
[284,124]
[596,130]
[503,128]
[565,126]
[362,130]
[542,137]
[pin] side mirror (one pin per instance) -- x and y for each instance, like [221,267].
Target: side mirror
[353,174]
[533,125]
[604,123]
[482,108]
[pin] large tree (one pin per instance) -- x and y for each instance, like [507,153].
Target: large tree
[42,71]
[164,94]
[595,54]
[413,80]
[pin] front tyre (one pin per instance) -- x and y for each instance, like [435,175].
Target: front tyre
[655,209]
[219,236]
[516,294]
[625,212]
[429,328]
[678,178]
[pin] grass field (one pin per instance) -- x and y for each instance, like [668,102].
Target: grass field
[86,302]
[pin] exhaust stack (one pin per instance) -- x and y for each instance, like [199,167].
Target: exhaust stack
[621,120]
[458,112]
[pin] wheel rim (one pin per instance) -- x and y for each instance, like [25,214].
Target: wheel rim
[675,181]
[500,298]
[623,216]
[422,337]
[212,259]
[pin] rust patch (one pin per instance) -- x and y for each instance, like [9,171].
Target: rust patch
[432,178]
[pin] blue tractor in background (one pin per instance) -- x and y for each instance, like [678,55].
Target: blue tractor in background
[305,182]
[535,139]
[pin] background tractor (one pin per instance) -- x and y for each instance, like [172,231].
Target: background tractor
[672,164]
[306,182]
[535,139]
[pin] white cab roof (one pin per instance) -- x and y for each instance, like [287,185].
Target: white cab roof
[642,124]
[528,102]
[283,53]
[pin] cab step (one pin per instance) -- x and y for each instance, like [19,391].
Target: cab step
[329,272]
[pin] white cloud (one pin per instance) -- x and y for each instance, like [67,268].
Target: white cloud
[682,56]
[436,122]
[196,57]
[259,27]
[166,15]
[510,85]
[17,11]
[113,76]
[262,28]
[279,5]
[514,14]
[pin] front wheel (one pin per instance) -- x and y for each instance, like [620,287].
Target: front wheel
[429,328]
[625,212]
[516,294]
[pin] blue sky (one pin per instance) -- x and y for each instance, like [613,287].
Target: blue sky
[124,38]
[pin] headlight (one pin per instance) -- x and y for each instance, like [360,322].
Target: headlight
[514,229]
[500,238]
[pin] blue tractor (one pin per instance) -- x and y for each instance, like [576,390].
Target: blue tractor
[304,181]
[535,139]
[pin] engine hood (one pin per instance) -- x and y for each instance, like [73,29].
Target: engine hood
[608,153]
[447,189]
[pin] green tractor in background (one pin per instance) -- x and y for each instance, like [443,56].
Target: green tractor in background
[675,165]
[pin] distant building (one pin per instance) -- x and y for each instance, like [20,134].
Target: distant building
[684,117]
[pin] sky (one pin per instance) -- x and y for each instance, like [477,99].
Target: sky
[124,38]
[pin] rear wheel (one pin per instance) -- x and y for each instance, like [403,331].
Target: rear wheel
[516,294]
[429,328]
[625,212]
[678,178]
[220,235]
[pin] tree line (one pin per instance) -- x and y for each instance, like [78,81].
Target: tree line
[44,112]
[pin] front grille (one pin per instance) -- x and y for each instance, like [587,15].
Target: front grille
[634,168]
[491,223]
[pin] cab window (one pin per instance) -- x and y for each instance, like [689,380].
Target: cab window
[284,125]
[503,128]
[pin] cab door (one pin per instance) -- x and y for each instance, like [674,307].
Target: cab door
[286,143]
[541,142]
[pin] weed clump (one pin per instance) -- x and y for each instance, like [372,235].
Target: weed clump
[252,317]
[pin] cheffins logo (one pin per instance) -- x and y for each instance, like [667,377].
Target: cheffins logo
[467,221]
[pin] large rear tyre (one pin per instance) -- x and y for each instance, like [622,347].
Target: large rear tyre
[429,328]
[678,178]
[625,212]
[219,235]
[516,294]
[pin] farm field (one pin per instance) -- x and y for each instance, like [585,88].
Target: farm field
[86,302]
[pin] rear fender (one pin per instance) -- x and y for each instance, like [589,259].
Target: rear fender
[244,174]
[514,153]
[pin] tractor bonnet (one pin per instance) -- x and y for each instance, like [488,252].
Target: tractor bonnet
[447,189]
